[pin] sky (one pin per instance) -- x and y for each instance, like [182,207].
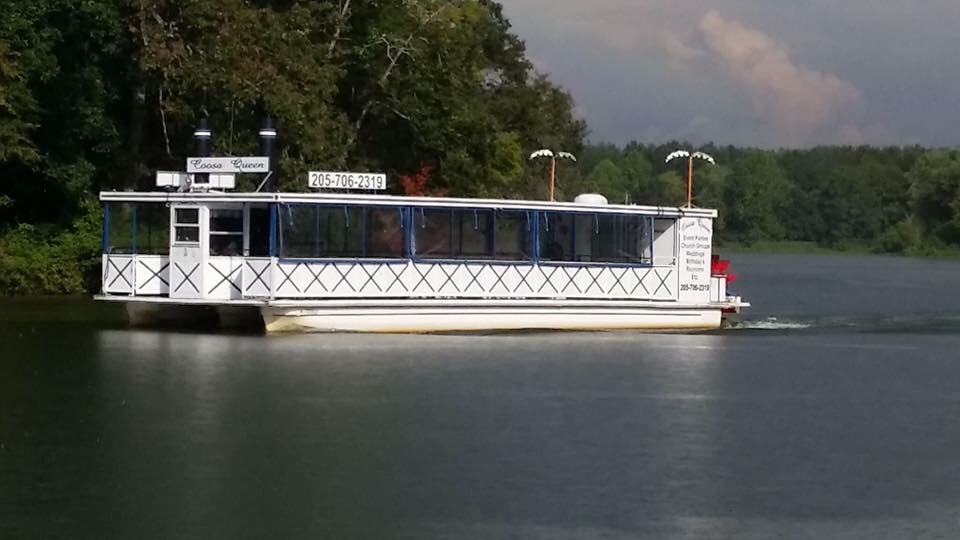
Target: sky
[767,73]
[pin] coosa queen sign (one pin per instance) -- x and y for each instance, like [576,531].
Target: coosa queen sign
[228,165]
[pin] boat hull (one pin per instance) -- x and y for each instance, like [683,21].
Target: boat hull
[428,316]
[438,318]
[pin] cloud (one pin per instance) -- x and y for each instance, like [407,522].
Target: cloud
[679,53]
[800,101]
[763,73]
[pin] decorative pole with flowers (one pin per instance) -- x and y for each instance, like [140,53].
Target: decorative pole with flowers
[553,164]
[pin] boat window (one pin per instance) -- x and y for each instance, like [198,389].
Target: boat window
[453,233]
[120,235]
[514,235]
[622,239]
[341,232]
[557,236]
[308,231]
[187,216]
[226,232]
[584,237]
[321,231]
[259,232]
[472,234]
[664,241]
[607,238]
[432,233]
[299,231]
[187,225]
[385,234]
[153,229]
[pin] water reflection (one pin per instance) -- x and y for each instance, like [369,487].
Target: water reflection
[371,434]
[137,434]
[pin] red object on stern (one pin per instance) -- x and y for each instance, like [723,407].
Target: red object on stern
[721,268]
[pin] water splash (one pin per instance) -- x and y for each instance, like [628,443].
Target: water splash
[772,323]
[899,323]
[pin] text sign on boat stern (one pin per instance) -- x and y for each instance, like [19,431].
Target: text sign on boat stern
[346,180]
[235,164]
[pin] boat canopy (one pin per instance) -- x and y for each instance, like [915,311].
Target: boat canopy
[336,226]
[395,200]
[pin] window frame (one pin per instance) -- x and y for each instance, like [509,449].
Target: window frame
[403,212]
[176,224]
[410,222]
[543,221]
[492,252]
[454,248]
[216,233]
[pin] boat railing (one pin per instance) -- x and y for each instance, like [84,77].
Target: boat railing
[405,278]
[135,274]
[237,278]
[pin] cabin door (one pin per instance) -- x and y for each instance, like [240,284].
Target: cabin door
[187,248]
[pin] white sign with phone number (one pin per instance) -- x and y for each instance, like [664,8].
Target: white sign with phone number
[346,180]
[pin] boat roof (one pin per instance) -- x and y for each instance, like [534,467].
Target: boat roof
[341,199]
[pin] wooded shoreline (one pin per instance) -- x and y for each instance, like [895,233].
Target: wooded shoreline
[439,95]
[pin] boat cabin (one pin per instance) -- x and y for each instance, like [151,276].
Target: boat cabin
[248,248]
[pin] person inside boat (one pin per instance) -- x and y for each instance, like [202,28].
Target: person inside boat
[386,233]
[232,249]
[553,251]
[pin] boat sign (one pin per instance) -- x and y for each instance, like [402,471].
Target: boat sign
[346,180]
[234,164]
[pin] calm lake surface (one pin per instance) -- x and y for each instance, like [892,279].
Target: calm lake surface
[832,412]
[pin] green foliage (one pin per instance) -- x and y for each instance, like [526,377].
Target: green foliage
[755,196]
[666,189]
[904,237]
[895,200]
[15,105]
[935,194]
[607,179]
[96,94]
[38,260]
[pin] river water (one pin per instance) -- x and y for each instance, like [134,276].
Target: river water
[833,411]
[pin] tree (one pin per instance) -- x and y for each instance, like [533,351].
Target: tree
[607,179]
[665,189]
[96,94]
[15,104]
[935,193]
[638,175]
[235,62]
[446,83]
[754,198]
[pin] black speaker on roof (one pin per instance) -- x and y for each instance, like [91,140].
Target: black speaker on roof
[202,142]
[268,148]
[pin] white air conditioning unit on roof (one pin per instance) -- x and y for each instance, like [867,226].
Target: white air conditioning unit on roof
[172,179]
[222,180]
[178,180]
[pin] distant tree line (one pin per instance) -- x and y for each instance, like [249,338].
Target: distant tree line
[892,200]
[439,94]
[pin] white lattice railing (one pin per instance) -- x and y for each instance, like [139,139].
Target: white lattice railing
[223,278]
[147,275]
[230,278]
[407,279]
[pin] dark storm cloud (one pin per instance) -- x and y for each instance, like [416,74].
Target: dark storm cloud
[768,73]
